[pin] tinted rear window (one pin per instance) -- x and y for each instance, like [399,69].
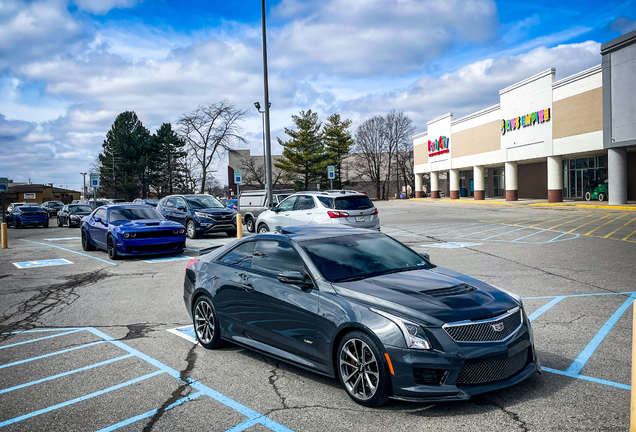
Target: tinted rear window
[26,209]
[347,203]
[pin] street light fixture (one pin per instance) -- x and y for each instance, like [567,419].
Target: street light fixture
[84,174]
[258,107]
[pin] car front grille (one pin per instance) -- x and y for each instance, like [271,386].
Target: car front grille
[487,330]
[156,234]
[492,371]
[222,218]
[429,376]
[157,247]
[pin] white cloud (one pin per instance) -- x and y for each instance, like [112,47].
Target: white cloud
[103,6]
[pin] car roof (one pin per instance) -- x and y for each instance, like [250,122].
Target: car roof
[126,205]
[340,193]
[315,232]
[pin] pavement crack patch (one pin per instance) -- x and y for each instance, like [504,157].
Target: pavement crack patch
[512,415]
[272,381]
[49,298]
[139,330]
[182,391]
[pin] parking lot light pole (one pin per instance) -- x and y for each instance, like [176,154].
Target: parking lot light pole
[268,144]
[258,107]
[84,190]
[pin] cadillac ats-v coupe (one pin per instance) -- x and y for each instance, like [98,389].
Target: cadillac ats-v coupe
[131,229]
[360,306]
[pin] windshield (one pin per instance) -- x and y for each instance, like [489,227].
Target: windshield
[55,204]
[30,209]
[134,213]
[203,202]
[79,209]
[355,257]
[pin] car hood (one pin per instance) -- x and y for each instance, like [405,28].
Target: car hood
[149,224]
[216,211]
[434,296]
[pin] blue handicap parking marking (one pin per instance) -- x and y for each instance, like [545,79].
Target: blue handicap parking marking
[166,259]
[199,389]
[449,245]
[42,263]
[62,238]
[574,369]
[186,332]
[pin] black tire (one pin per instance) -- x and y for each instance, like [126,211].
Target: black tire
[86,242]
[263,228]
[59,224]
[206,323]
[588,196]
[46,225]
[191,229]
[366,379]
[249,224]
[231,233]
[111,248]
[602,197]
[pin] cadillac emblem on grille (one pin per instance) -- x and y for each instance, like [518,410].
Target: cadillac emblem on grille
[498,327]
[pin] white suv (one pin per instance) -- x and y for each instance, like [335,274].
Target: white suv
[321,208]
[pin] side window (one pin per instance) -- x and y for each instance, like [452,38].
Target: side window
[169,203]
[180,203]
[304,202]
[274,257]
[101,213]
[240,256]
[288,204]
[326,201]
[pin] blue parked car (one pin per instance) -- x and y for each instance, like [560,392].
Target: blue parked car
[200,214]
[231,204]
[27,215]
[131,229]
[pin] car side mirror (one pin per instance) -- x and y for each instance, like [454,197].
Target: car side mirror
[97,219]
[181,208]
[426,256]
[275,208]
[293,278]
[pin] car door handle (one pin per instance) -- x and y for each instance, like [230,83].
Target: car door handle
[247,286]
[309,212]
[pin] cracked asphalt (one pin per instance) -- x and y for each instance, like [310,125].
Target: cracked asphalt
[135,302]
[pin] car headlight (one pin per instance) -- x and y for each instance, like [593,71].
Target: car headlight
[126,235]
[75,217]
[202,215]
[182,231]
[414,335]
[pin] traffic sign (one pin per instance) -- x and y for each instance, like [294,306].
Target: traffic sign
[94,180]
[331,172]
[238,177]
[4,184]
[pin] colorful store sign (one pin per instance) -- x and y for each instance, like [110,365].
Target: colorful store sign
[540,116]
[440,146]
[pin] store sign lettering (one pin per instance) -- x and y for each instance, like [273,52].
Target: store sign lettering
[440,146]
[540,116]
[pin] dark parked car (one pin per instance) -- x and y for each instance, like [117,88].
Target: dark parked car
[72,214]
[361,306]
[52,207]
[93,204]
[27,215]
[131,229]
[200,214]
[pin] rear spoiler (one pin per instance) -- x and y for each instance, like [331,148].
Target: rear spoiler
[209,249]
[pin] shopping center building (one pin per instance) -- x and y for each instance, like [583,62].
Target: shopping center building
[545,139]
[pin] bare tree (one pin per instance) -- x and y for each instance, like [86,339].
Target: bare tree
[254,173]
[399,129]
[211,128]
[371,144]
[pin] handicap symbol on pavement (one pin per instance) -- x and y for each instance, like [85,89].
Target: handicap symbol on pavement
[43,263]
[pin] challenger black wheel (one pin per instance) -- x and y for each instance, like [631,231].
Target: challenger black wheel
[86,242]
[206,324]
[249,224]
[112,248]
[362,370]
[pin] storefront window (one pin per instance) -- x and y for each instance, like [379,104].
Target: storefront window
[582,175]
[499,184]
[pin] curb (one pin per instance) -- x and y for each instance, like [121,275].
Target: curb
[521,203]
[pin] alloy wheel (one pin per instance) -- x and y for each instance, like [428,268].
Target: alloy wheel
[249,224]
[263,229]
[204,322]
[359,369]
[191,230]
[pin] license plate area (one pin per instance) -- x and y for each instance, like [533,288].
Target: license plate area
[359,218]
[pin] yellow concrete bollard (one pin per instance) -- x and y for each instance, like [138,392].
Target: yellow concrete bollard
[5,240]
[239,226]
[632,416]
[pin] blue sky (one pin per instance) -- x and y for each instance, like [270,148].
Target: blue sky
[68,67]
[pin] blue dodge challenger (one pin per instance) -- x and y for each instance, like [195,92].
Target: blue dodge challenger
[131,229]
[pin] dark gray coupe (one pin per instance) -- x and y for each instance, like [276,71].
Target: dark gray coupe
[361,306]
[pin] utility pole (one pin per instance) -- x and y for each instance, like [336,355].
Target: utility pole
[268,143]
[84,175]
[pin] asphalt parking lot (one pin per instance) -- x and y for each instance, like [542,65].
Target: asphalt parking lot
[90,344]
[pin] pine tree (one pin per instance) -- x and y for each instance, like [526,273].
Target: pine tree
[303,160]
[169,149]
[338,143]
[127,153]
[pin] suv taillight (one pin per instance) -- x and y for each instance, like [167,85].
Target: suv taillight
[374,211]
[337,214]
[191,263]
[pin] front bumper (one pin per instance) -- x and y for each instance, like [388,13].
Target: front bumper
[210,226]
[443,370]
[151,246]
